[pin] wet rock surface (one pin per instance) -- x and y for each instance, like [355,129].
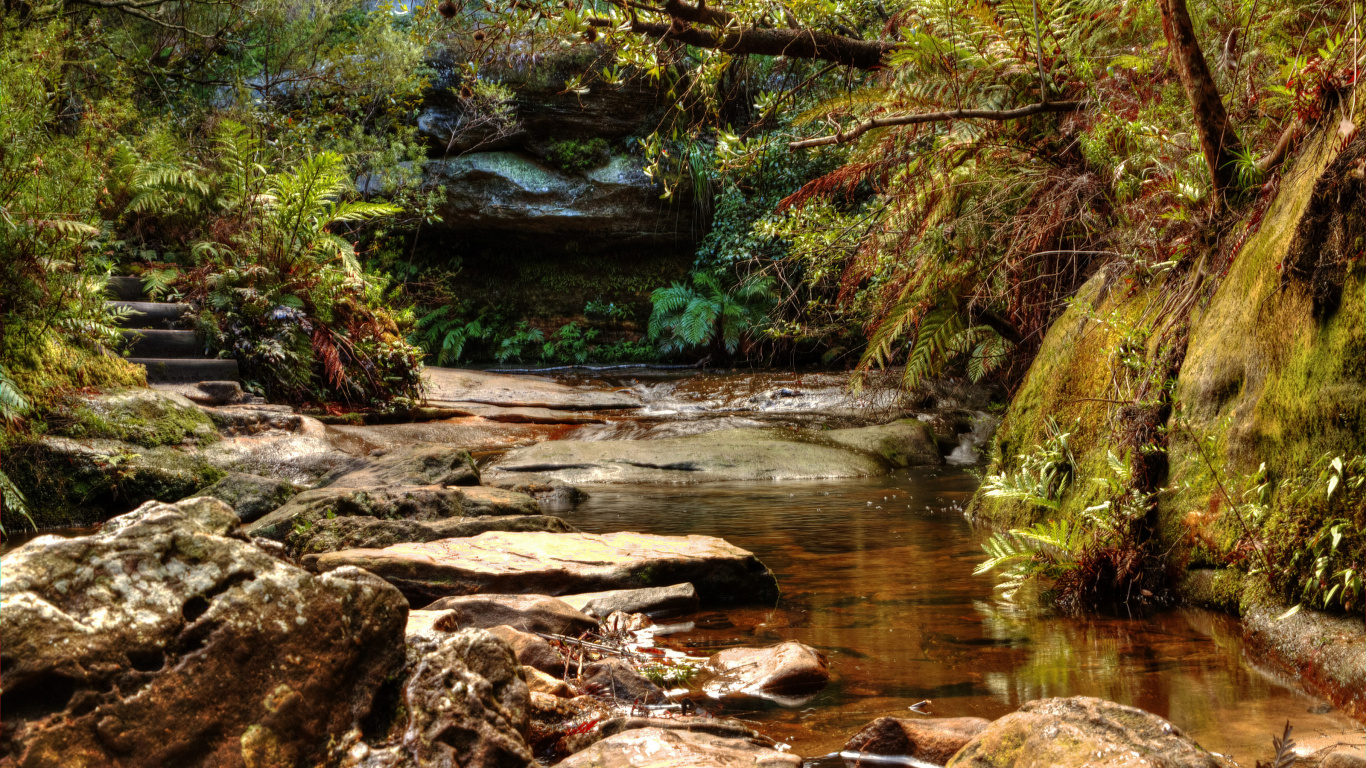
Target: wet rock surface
[612,678]
[789,669]
[305,510]
[1081,731]
[934,739]
[902,443]
[565,563]
[451,385]
[666,748]
[163,642]
[525,613]
[422,464]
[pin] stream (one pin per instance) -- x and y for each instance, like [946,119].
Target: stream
[877,574]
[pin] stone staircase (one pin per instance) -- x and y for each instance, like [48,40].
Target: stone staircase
[170,355]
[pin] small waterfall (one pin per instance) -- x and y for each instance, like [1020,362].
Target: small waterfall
[970,443]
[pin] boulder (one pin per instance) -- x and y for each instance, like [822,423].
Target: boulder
[145,417]
[160,641]
[453,385]
[788,669]
[727,454]
[466,702]
[933,739]
[532,651]
[540,682]
[526,613]
[712,726]
[411,465]
[902,443]
[338,533]
[482,500]
[255,418]
[669,748]
[565,563]
[1081,731]
[655,602]
[252,496]
[615,679]
[388,502]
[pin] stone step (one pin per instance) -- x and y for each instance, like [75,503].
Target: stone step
[163,371]
[163,344]
[125,288]
[151,314]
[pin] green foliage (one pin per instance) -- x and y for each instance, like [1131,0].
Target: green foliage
[707,312]
[570,344]
[576,156]
[515,345]
[444,334]
[1043,475]
[13,406]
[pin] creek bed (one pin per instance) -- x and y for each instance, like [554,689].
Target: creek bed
[877,573]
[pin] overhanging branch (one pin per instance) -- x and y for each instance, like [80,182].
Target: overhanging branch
[794,43]
[859,129]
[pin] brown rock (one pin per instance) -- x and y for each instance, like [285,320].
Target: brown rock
[655,602]
[539,682]
[339,533]
[483,500]
[1343,760]
[557,722]
[565,563]
[1081,731]
[527,613]
[531,650]
[786,669]
[615,679]
[160,642]
[667,748]
[611,726]
[933,739]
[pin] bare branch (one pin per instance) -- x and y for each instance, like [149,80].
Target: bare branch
[859,129]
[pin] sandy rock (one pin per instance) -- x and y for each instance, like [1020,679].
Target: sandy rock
[1081,731]
[160,642]
[333,535]
[565,563]
[788,669]
[727,454]
[655,602]
[934,739]
[430,622]
[411,465]
[539,682]
[615,679]
[252,496]
[661,748]
[525,613]
[394,503]
[532,651]
[902,443]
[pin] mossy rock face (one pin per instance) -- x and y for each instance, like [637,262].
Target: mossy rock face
[143,417]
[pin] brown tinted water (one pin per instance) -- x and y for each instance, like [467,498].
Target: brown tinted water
[877,573]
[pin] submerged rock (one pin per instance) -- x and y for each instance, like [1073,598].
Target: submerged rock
[565,563]
[656,747]
[162,642]
[729,454]
[1081,731]
[933,739]
[786,670]
[655,602]
[526,613]
[252,496]
[902,443]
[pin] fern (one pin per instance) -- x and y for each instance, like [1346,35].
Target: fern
[689,316]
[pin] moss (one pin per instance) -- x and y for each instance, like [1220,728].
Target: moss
[49,371]
[575,156]
[142,417]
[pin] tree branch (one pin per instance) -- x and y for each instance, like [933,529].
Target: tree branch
[793,43]
[938,117]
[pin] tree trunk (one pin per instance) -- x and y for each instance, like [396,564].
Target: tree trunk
[1218,139]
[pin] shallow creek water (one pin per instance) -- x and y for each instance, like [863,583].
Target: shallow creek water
[877,573]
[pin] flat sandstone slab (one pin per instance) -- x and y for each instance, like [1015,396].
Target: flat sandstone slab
[452,385]
[535,562]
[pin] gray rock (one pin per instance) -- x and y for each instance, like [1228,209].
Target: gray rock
[336,534]
[395,503]
[252,496]
[902,443]
[527,613]
[786,670]
[160,642]
[933,739]
[655,602]
[254,419]
[481,501]
[1075,732]
[565,563]
[615,679]
[665,748]
[730,454]
[413,465]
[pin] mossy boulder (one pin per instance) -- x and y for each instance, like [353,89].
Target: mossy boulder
[142,417]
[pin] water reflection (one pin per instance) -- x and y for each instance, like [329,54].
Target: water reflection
[878,574]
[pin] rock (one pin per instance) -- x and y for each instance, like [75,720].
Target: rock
[431,622]
[452,385]
[902,443]
[615,679]
[208,514]
[661,748]
[560,726]
[466,702]
[252,496]
[1343,760]
[144,417]
[483,500]
[332,535]
[788,669]
[217,393]
[728,454]
[655,602]
[526,613]
[1081,731]
[395,503]
[565,563]
[531,650]
[1325,654]
[552,495]
[539,682]
[727,729]
[473,434]
[160,642]
[413,465]
[254,419]
[934,739]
